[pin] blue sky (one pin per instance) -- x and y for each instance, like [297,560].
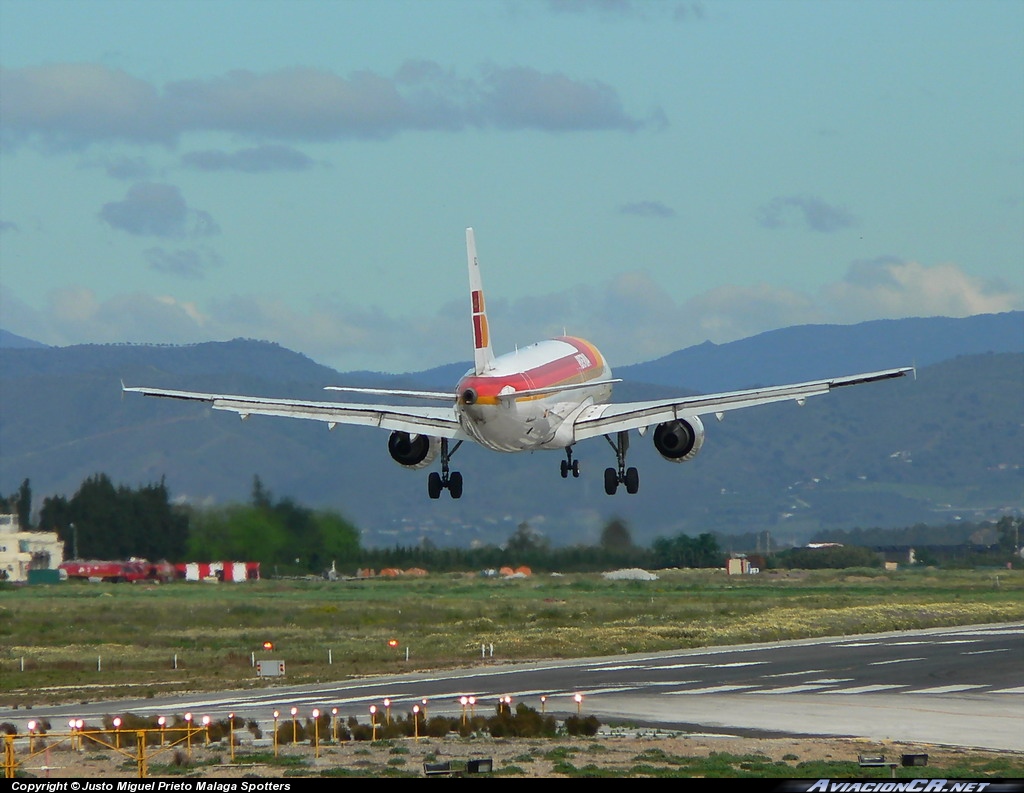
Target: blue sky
[648,175]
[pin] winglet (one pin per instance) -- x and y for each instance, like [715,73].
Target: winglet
[483,355]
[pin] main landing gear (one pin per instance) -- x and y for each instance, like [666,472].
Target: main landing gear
[613,477]
[450,480]
[569,464]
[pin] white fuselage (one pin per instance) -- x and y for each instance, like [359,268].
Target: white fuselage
[491,414]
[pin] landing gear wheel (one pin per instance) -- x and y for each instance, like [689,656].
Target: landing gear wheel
[569,464]
[437,482]
[613,477]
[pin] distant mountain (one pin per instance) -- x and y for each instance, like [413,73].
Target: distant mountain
[947,445]
[808,352]
[11,341]
[811,352]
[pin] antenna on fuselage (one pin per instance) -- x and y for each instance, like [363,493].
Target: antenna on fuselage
[483,355]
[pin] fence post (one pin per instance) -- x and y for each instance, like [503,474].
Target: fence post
[142,753]
[9,763]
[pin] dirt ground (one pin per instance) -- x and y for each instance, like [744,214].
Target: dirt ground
[532,757]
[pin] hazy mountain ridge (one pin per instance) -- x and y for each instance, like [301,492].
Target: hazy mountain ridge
[810,352]
[892,453]
[13,341]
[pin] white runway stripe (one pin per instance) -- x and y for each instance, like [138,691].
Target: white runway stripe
[943,689]
[863,689]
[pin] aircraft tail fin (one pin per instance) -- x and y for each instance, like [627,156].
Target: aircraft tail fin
[483,355]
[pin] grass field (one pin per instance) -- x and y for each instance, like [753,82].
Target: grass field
[75,640]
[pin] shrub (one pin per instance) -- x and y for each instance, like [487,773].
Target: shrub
[582,725]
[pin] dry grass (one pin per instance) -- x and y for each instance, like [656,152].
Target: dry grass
[92,639]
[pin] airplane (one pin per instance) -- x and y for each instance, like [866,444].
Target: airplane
[550,395]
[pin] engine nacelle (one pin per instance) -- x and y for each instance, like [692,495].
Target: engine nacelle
[413,451]
[679,440]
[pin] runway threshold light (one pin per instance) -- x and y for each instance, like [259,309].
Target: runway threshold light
[268,645]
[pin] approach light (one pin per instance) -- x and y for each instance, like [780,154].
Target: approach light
[268,645]
[392,643]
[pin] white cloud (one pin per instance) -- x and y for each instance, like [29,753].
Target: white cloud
[886,288]
[813,212]
[74,105]
[77,315]
[614,9]
[258,159]
[157,210]
[185,263]
[68,105]
[648,209]
[631,318]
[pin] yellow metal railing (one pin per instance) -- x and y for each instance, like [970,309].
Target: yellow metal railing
[141,753]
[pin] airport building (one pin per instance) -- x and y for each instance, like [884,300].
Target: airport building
[21,551]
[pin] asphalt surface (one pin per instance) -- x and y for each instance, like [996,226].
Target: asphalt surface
[952,686]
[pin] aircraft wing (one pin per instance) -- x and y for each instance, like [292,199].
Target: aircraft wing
[611,418]
[439,422]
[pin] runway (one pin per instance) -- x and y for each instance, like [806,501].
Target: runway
[959,686]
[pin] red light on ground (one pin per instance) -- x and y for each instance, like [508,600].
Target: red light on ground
[392,642]
[268,645]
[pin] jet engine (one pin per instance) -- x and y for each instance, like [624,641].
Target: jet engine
[413,451]
[679,440]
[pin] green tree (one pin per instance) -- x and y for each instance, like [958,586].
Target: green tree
[20,504]
[525,540]
[835,558]
[615,536]
[260,495]
[241,533]
[685,551]
[1009,531]
[339,539]
[273,532]
[117,522]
